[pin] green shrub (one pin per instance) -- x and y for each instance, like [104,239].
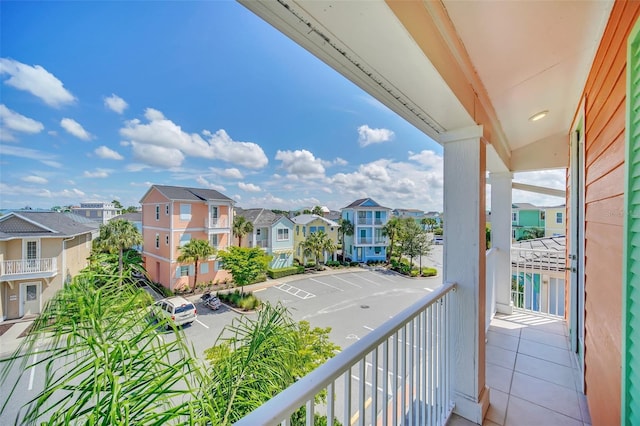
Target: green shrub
[414,273]
[259,279]
[429,272]
[332,263]
[354,263]
[249,302]
[283,272]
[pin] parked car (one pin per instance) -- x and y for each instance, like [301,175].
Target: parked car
[176,309]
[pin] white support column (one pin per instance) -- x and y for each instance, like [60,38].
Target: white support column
[501,238]
[464,264]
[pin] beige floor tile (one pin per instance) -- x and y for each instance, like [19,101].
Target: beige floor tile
[490,423]
[549,371]
[502,340]
[546,394]
[500,325]
[498,377]
[500,356]
[550,353]
[525,413]
[550,339]
[497,407]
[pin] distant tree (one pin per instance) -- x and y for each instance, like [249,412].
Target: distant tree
[116,204]
[241,227]
[317,210]
[306,211]
[487,236]
[531,234]
[116,236]
[409,238]
[346,228]
[429,223]
[130,209]
[195,251]
[315,244]
[282,212]
[391,230]
[423,247]
[245,264]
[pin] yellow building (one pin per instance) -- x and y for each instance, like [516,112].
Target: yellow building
[555,221]
[306,224]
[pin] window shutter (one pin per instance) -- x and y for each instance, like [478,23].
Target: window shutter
[631,283]
[192,270]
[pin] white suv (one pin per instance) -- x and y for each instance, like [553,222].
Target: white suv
[177,309]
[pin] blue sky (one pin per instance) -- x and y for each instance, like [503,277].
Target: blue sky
[98,100]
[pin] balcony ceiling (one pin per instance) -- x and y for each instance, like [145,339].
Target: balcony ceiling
[451,64]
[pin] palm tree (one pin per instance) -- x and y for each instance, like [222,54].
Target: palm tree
[392,229]
[315,244]
[346,228]
[317,210]
[194,252]
[429,223]
[117,236]
[241,227]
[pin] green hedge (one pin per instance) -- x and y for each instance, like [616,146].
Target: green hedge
[429,272]
[283,272]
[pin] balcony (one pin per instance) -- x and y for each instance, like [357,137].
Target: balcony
[261,243]
[28,268]
[365,240]
[216,223]
[365,221]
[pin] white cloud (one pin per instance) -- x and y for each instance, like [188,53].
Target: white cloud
[163,133]
[340,162]
[107,153]
[29,153]
[73,193]
[75,128]
[115,103]
[99,173]
[427,158]
[249,187]
[368,136]
[35,179]
[52,133]
[202,181]
[37,81]
[136,167]
[12,121]
[231,173]
[158,156]
[555,179]
[301,164]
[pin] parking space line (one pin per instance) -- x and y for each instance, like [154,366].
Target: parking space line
[361,276]
[201,323]
[348,282]
[368,328]
[33,371]
[294,291]
[428,289]
[328,285]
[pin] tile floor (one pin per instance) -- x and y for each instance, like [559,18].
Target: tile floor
[532,374]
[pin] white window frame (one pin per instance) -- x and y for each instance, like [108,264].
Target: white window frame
[559,217]
[157,212]
[204,268]
[166,239]
[166,209]
[184,215]
[157,241]
[184,239]
[284,237]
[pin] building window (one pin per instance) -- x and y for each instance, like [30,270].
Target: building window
[158,212]
[377,250]
[88,214]
[312,229]
[204,268]
[99,213]
[320,228]
[514,217]
[258,231]
[185,211]
[213,240]
[183,271]
[559,217]
[513,234]
[157,240]
[184,239]
[283,234]
[166,239]
[297,229]
[542,215]
[166,209]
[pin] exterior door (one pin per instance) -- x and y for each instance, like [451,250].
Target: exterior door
[30,298]
[576,255]
[31,254]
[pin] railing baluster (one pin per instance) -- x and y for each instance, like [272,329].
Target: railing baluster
[347,397]
[423,365]
[374,386]
[361,389]
[411,372]
[394,408]
[385,384]
[310,412]
[330,403]
[403,375]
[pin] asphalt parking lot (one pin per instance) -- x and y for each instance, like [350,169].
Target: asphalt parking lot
[351,303]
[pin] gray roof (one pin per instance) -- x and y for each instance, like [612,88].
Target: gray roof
[260,217]
[361,203]
[184,193]
[540,254]
[42,224]
[303,219]
[131,217]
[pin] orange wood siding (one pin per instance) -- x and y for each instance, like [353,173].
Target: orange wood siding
[605,93]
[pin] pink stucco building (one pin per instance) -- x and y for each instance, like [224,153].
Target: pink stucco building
[171,217]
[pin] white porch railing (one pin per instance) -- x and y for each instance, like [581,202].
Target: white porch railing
[538,280]
[400,373]
[213,222]
[28,266]
[490,285]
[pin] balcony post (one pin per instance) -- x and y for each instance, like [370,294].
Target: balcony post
[501,238]
[464,264]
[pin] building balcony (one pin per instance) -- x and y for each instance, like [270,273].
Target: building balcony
[28,268]
[216,223]
[260,243]
[365,240]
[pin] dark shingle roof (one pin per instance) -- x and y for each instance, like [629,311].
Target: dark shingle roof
[42,224]
[259,217]
[365,202]
[195,194]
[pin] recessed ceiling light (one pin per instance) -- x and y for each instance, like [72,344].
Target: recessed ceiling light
[539,115]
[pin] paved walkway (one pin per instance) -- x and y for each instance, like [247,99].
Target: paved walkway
[10,341]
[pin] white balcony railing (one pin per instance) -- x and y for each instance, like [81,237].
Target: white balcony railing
[400,373]
[365,240]
[213,222]
[28,266]
[538,280]
[365,221]
[490,285]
